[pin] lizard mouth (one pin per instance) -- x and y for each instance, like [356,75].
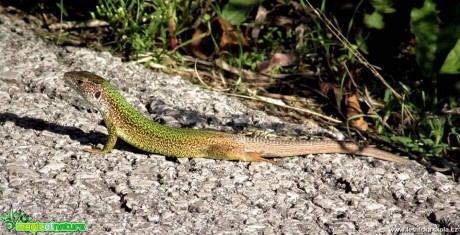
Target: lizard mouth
[73,79]
[68,78]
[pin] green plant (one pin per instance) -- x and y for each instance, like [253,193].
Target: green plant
[139,27]
[62,13]
[437,31]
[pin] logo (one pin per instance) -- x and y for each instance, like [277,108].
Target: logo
[21,222]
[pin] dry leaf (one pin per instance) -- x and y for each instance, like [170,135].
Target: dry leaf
[328,86]
[198,43]
[279,59]
[354,109]
[229,35]
[202,46]
[351,103]
[260,19]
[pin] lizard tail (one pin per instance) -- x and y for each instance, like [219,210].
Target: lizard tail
[281,148]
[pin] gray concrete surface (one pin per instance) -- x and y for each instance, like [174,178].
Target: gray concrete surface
[44,172]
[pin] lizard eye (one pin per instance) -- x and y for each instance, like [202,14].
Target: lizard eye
[79,82]
[97,94]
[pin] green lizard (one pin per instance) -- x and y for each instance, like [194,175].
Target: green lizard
[124,121]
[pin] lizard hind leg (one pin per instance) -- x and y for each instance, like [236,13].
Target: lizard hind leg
[252,157]
[232,153]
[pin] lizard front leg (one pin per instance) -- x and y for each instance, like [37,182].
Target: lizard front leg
[111,129]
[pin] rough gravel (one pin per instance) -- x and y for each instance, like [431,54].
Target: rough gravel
[44,172]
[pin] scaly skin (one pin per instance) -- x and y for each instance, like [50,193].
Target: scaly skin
[124,121]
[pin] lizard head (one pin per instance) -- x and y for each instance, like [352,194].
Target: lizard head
[91,87]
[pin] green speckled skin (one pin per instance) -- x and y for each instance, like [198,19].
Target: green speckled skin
[124,121]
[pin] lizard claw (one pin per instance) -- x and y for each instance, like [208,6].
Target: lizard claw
[94,151]
[254,157]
